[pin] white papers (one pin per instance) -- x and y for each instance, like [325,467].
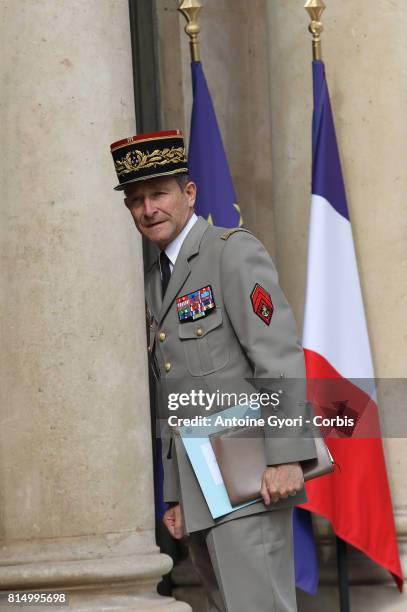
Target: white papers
[210,459]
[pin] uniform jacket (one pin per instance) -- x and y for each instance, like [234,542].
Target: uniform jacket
[229,346]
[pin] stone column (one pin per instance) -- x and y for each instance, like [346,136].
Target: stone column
[366,61]
[76,503]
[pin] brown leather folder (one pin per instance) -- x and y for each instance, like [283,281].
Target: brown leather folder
[240,453]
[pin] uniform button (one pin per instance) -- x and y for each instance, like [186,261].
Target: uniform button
[162,336]
[167,366]
[199,331]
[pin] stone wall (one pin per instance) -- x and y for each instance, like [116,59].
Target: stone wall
[76,500]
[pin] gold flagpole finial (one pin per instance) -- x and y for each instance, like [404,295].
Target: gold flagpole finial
[190,10]
[315,8]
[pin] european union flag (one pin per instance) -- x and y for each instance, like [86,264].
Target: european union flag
[217,202]
[208,166]
[305,552]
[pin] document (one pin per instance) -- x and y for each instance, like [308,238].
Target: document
[203,461]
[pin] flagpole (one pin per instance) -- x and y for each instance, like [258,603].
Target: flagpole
[342,564]
[190,10]
[315,8]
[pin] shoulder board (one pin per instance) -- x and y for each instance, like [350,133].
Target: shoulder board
[229,232]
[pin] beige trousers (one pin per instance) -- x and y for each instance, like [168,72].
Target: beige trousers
[247,564]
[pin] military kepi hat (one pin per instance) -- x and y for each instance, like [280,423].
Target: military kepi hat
[147,156]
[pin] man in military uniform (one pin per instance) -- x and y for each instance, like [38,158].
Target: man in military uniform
[245,331]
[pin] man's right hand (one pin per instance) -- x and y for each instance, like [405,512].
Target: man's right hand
[172,519]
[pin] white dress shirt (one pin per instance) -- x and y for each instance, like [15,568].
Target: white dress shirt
[174,247]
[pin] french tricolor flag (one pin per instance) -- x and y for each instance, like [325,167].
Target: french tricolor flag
[356,497]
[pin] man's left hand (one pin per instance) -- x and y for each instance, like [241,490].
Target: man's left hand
[280,481]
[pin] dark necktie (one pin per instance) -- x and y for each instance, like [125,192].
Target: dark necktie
[165,271]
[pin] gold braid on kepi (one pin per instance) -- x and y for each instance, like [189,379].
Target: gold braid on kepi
[147,156]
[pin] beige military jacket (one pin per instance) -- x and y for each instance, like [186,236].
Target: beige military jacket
[225,348]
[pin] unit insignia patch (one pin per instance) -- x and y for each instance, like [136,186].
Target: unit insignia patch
[262,304]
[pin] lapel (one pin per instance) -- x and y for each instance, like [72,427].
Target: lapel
[153,290]
[181,269]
